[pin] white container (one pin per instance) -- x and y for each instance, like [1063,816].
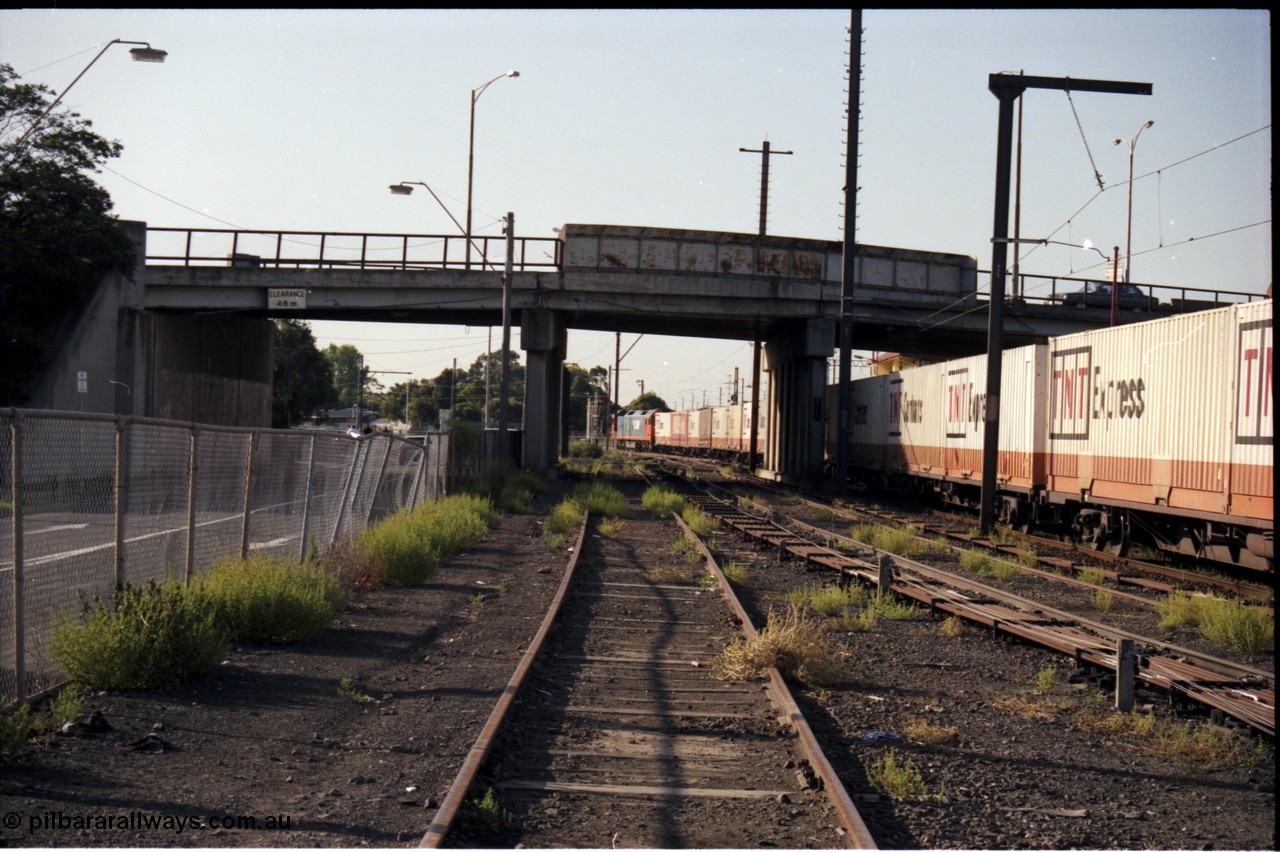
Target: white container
[1166,413]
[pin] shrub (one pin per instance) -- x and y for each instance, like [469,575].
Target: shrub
[829,600]
[510,489]
[611,528]
[1237,626]
[15,729]
[585,450]
[602,498]
[409,547]
[902,542]
[952,627]
[975,561]
[489,811]
[1229,624]
[1092,576]
[737,574]
[348,689]
[155,635]
[1005,571]
[1047,680]
[890,606]
[563,517]
[1102,599]
[271,599]
[661,502]
[898,780]
[66,706]
[1177,609]
[699,521]
[858,621]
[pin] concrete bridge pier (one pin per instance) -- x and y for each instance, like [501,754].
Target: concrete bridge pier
[796,360]
[545,340]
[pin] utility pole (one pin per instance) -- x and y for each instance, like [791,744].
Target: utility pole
[849,264]
[764,153]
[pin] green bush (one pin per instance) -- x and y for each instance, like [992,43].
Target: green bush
[409,547]
[510,489]
[565,516]
[155,635]
[829,600]
[271,599]
[15,729]
[699,521]
[1229,624]
[661,502]
[1237,626]
[585,450]
[602,498]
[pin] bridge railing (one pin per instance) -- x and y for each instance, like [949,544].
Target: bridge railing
[1163,299]
[91,501]
[333,250]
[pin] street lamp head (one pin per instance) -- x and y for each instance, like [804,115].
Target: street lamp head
[400,189]
[1149,123]
[147,54]
[517,74]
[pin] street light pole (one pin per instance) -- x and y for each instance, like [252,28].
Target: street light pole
[1128,245]
[145,53]
[471,151]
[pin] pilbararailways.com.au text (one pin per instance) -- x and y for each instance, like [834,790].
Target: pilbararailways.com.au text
[57,821]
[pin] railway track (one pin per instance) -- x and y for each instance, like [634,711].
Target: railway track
[1224,687]
[616,732]
[1063,557]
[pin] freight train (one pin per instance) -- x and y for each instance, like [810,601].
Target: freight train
[1158,431]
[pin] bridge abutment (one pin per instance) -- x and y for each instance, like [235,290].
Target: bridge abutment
[796,361]
[545,340]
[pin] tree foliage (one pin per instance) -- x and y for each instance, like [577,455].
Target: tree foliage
[349,373]
[647,401]
[584,386]
[303,380]
[57,235]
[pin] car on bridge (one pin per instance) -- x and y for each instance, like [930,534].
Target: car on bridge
[1097,294]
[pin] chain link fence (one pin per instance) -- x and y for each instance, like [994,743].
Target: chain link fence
[91,501]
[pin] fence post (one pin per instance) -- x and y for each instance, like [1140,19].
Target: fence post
[19,626]
[1124,675]
[306,502]
[421,477]
[373,499]
[346,491]
[885,568]
[122,484]
[248,493]
[448,466]
[193,465]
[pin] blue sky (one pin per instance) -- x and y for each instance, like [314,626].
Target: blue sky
[299,120]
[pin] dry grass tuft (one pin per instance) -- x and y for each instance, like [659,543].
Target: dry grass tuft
[801,646]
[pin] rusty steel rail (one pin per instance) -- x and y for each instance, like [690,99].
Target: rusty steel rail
[859,835]
[1244,693]
[453,801]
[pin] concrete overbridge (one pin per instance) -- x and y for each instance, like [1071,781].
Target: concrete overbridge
[190,337]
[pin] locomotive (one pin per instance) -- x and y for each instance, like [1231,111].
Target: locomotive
[1160,430]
